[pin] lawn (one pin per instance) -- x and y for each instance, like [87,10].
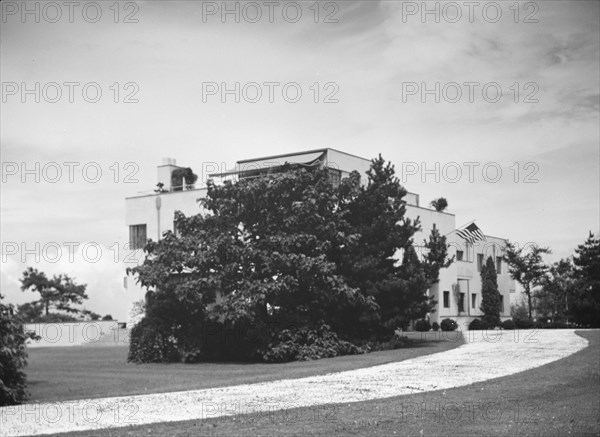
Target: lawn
[559,399]
[79,372]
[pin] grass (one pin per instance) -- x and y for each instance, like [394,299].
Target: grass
[69,373]
[559,399]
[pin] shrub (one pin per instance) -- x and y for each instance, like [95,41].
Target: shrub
[435,326]
[550,325]
[523,323]
[13,357]
[508,324]
[422,325]
[305,344]
[148,344]
[449,325]
[478,325]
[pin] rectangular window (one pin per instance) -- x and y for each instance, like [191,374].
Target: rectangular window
[469,252]
[498,265]
[446,299]
[335,177]
[479,261]
[501,304]
[137,236]
[474,300]
[460,255]
[461,302]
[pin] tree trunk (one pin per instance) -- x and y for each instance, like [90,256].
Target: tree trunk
[47,304]
[528,291]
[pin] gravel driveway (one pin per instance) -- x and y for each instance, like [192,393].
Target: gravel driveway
[481,358]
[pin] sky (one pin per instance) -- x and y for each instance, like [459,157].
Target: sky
[492,106]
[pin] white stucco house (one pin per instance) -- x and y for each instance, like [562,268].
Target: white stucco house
[458,293]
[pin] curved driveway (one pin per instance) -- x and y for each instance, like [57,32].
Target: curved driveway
[482,357]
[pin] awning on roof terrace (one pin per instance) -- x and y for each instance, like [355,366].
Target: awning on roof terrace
[248,168]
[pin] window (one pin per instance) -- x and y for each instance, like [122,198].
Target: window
[335,177]
[499,265]
[474,300]
[446,299]
[460,255]
[469,252]
[501,303]
[137,236]
[461,302]
[479,261]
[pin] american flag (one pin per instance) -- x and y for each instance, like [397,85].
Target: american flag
[471,233]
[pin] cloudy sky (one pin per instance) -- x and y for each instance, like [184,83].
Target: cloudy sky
[375,77]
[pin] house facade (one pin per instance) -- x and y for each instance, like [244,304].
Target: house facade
[458,293]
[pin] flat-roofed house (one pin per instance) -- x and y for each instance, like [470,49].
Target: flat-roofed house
[458,293]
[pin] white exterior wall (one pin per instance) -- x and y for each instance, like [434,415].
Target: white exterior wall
[445,223]
[140,210]
[464,271]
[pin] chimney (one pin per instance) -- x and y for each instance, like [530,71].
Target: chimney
[165,170]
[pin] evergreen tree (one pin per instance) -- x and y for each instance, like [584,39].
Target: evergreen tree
[490,296]
[585,307]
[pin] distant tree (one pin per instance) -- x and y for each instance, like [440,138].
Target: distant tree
[490,296]
[30,312]
[552,299]
[107,317]
[518,310]
[527,268]
[439,204]
[90,315]
[585,308]
[59,292]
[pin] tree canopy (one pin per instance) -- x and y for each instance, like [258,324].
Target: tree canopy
[585,306]
[527,268]
[291,250]
[59,293]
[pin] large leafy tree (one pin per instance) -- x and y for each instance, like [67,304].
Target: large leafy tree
[59,293]
[527,268]
[260,257]
[586,303]
[490,296]
[291,249]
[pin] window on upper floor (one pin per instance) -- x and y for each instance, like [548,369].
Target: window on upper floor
[498,265]
[501,303]
[137,236]
[446,299]
[335,177]
[460,255]
[474,300]
[469,251]
[479,261]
